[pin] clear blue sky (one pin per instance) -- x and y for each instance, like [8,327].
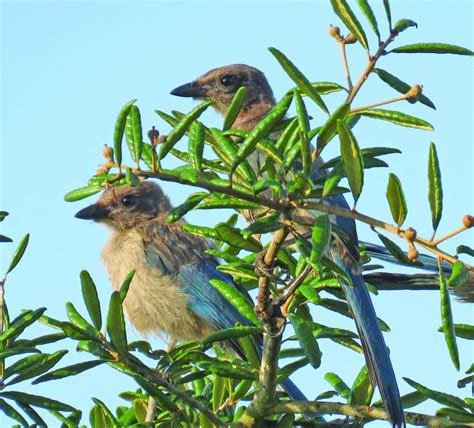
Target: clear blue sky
[67,69]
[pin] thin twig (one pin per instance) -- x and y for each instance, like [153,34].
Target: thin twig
[342,44]
[449,235]
[382,103]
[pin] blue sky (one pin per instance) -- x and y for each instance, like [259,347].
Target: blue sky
[67,69]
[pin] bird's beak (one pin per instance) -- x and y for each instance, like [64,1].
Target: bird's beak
[192,89]
[93,212]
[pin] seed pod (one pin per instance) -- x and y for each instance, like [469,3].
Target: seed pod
[413,254]
[160,140]
[413,94]
[410,234]
[335,32]
[468,220]
[350,39]
[108,153]
[153,134]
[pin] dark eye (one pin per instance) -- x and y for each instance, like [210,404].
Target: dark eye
[228,80]
[129,200]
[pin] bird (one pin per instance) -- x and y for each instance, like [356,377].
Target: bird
[220,85]
[170,294]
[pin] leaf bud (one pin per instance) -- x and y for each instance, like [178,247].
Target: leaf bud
[350,39]
[468,221]
[160,140]
[410,234]
[413,254]
[413,94]
[108,153]
[335,32]
[153,134]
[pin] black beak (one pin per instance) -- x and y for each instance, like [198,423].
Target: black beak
[191,89]
[93,212]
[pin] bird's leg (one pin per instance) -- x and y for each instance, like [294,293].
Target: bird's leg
[151,406]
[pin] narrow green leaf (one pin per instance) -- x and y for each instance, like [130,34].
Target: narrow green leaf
[202,231]
[328,130]
[18,254]
[388,13]
[119,131]
[232,371]
[133,133]
[352,158]
[400,86]
[447,321]
[234,108]
[261,130]
[412,399]
[333,179]
[436,48]
[3,214]
[306,339]
[91,299]
[466,331]
[80,322]
[94,349]
[261,227]
[11,412]
[439,397]
[181,210]
[124,287]
[71,370]
[231,333]
[462,383]
[23,363]
[403,24]
[435,194]
[455,415]
[233,236]
[369,14]
[21,322]
[344,12]
[116,324]
[237,204]
[130,178]
[299,78]
[181,127]
[320,238]
[394,249]
[303,123]
[397,118]
[113,421]
[464,249]
[396,200]
[286,135]
[236,299]
[362,389]
[338,384]
[251,352]
[82,193]
[459,275]
[37,401]
[196,145]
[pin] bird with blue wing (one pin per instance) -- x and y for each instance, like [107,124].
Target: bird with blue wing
[170,293]
[220,85]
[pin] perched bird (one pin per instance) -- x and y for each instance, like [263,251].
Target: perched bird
[170,293]
[220,85]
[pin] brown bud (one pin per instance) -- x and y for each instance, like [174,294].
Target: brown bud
[413,94]
[160,140]
[468,221]
[412,254]
[410,234]
[108,153]
[153,134]
[350,39]
[335,33]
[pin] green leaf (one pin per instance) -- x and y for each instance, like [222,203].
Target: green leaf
[196,145]
[362,390]
[447,320]
[333,179]
[236,299]
[464,249]
[462,383]
[232,371]
[394,249]
[131,179]
[119,131]
[37,401]
[126,285]
[369,14]
[439,397]
[261,130]
[306,339]
[181,127]
[435,194]
[344,12]
[338,384]
[328,130]
[400,86]
[320,238]
[94,349]
[436,48]
[234,108]
[299,78]
[403,24]
[352,158]
[412,399]
[21,322]
[237,204]
[71,370]
[133,133]
[303,123]
[91,299]
[466,331]
[4,238]
[3,214]
[112,420]
[116,324]
[396,200]
[12,413]
[388,13]
[233,236]
[397,118]
[23,363]
[18,254]
[459,275]
[455,415]
[202,231]
[231,333]
[78,321]
[82,193]
[181,210]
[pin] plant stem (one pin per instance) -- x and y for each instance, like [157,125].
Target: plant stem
[382,103]
[342,44]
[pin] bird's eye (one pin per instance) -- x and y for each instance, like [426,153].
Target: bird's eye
[228,80]
[128,201]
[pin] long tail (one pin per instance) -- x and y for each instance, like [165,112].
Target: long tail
[373,344]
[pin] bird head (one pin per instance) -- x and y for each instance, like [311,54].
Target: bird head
[126,207]
[221,84]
